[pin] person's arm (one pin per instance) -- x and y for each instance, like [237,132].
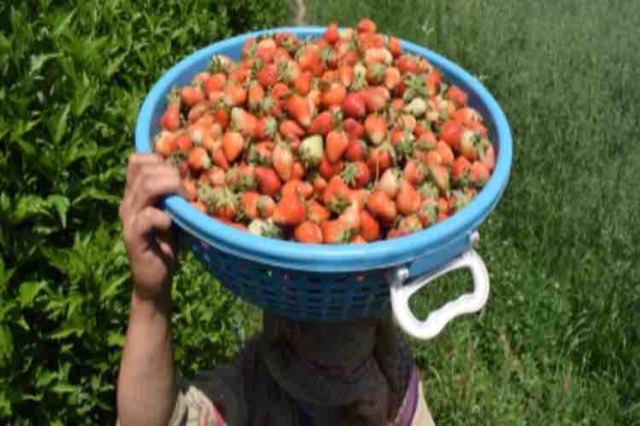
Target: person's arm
[147,388]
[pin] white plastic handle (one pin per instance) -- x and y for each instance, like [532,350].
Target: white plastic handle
[436,321]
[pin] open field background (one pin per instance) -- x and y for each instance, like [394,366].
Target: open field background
[559,343]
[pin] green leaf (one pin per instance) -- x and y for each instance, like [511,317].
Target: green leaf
[116,339]
[29,290]
[107,291]
[37,61]
[59,124]
[61,205]
[64,24]
[6,345]
[62,388]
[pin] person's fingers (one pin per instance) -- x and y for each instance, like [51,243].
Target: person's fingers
[137,230]
[152,188]
[151,183]
[136,163]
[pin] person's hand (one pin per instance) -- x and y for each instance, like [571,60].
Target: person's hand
[147,229]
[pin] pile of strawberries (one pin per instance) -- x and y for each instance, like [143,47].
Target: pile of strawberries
[339,139]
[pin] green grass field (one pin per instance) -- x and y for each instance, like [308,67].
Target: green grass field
[559,343]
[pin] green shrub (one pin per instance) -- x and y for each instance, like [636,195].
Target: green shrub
[72,76]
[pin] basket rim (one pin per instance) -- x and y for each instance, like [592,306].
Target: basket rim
[325,258]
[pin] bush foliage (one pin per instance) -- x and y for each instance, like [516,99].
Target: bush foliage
[72,76]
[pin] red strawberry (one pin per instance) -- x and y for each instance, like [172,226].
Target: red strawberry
[351,216]
[215,177]
[198,159]
[345,75]
[298,171]
[333,96]
[451,133]
[268,181]
[409,224]
[381,206]
[440,176]
[456,95]
[356,150]
[354,129]
[268,76]
[394,46]
[288,41]
[266,206]
[183,142]
[356,174]
[221,116]
[255,96]
[392,78]
[232,145]
[366,25]
[376,127]
[197,111]
[316,212]
[235,95]
[165,144]
[408,199]
[310,60]
[354,106]
[219,158]
[335,232]
[336,194]
[308,232]
[240,74]
[291,130]
[171,117]
[390,183]
[479,174]
[428,212]
[380,159]
[243,122]
[359,196]
[215,83]
[378,56]
[322,124]
[433,158]
[191,95]
[414,172]
[331,35]
[261,153]
[328,170]
[266,128]
[283,161]
[190,190]
[225,204]
[266,49]
[280,91]
[290,211]
[369,226]
[301,109]
[302,83]
[489,159]
[407,64]
[471,145]
[460,170]
[375,98]
[336,144]
[311,150]
[298,188]
[446,154]
[319,185]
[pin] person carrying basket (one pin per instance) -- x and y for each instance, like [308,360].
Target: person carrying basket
[291,373]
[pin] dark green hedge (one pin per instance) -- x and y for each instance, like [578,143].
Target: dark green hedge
[72,76]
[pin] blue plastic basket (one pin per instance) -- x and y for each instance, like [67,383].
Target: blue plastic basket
[319,282]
